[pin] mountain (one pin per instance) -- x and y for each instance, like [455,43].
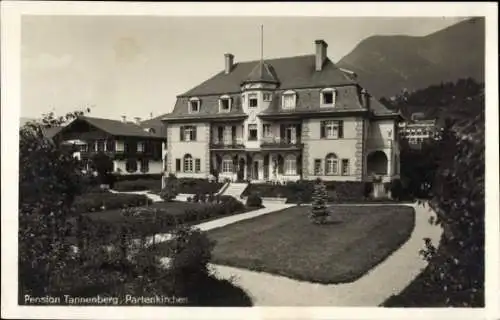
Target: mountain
[23,120]
[386,65]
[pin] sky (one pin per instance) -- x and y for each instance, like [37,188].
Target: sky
[135,66]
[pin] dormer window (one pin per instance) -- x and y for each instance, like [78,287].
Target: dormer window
[328,97]
[289,100]
[194,105]
[225,104]
[253,101]
[266,96]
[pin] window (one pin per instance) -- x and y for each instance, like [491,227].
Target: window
[152,130]
[331,164]
[332,129]
[227,166]
[253,102]
[131,165]
[188,163]
[317,167]
[266,130]
[197,165]
[225,104]
[165,163]
[328,97]
[140,147]
[188,133]
[100,145]
[288,101]
[345,167]
[252,132]
[266,96]
[144,165]
[83,148]
[120,146]
[194,105]
[177,165]
[290,165]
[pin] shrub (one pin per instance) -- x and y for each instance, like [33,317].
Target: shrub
[396,189]
[231,204]
[190,251]
[211,198]
[106,201]
[171,189]
[189,199]
[319,211]
[203,198]
[196,198]
[254,201]
[368,189]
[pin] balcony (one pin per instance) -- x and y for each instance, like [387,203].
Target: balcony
[227,144]
[280,143]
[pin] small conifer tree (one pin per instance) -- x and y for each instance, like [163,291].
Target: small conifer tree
[319,211]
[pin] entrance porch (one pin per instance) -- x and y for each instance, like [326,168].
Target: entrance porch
[257,166]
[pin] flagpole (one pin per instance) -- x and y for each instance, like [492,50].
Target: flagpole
[261,42]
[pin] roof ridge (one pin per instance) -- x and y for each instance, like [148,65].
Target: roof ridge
[274,59]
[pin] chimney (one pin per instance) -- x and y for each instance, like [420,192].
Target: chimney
[229,59]
[321,46]
[365,99]
[137,120]
[124,119]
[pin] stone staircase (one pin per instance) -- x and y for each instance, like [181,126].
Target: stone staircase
[235,189]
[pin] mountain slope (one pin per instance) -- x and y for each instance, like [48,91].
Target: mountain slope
[387,64]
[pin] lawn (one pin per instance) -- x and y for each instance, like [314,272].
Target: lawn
[287,243]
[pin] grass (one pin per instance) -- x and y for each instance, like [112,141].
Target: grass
[286,243]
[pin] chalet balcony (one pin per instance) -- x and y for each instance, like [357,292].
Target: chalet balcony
[280,143]
[227,144]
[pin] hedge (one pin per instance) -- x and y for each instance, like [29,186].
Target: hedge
[301,191]
[198,186]
[134,177]
[138,185]
[90,202]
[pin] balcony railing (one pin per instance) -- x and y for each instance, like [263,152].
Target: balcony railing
[236,143]
[277,142]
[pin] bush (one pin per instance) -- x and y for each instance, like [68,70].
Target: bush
[231,204]
[254,201]
[189,199]
[106,201]
[203,198]
[171,189]
[196,198]
[137,185]
[396,189]
[211,198]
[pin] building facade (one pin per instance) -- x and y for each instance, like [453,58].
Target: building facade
[134,149]
[418,130]
[282,120]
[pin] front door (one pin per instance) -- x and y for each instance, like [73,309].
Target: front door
[241,169]
[255,170]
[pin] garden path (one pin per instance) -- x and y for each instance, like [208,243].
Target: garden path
[389,277]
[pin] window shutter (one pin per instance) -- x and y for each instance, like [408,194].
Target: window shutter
[181,131]
[233,132]
[194,133]
[341,129]
[282,132]
[280,164]
[177,164]
[322,130]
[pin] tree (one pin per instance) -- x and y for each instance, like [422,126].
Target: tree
[319,211]
[49,180]
[457,266]
[103,165]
